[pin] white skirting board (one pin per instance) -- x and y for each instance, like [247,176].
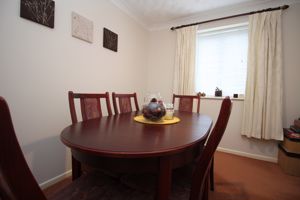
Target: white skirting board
[56,179]
[239,153]
[248,155]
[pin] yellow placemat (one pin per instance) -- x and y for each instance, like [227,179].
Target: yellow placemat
[141,119]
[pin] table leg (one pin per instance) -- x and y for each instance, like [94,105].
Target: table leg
[164,179]
[76,169]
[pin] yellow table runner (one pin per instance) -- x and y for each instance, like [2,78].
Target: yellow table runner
[141,119]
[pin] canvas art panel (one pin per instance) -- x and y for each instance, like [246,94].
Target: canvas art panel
[39,11]
[82,28]
[110,40]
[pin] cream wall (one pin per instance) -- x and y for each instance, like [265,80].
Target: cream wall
[160,78]
[38,66]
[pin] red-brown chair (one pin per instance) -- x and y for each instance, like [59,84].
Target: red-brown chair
[90,105]
[189,184]
[186,102]
[124,102]
[202,168]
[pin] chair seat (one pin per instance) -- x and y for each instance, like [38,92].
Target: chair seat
[96,184]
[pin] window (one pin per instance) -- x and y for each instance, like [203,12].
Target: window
[221,60]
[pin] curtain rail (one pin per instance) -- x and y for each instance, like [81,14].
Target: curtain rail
[232,16]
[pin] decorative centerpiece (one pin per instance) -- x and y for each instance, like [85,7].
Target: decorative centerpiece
[154,110]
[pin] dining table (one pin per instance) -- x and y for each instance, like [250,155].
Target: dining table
[119,144]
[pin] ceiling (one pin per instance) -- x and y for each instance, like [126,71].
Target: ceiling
[153,12]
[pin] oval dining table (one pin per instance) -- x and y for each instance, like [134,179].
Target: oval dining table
[119,144]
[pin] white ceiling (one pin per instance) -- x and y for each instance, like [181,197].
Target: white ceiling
[150,13]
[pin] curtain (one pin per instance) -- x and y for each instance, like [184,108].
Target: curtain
[262,117]
[184,80]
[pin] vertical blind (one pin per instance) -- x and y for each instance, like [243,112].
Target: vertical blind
[221,60]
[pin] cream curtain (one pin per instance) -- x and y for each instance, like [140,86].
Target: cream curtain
[262,117]
[184,80]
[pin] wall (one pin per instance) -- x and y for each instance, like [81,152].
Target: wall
[39,65]
[160,63]
[291,64]
[160,71]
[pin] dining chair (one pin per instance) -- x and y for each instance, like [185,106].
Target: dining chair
[186,102]
[188,184]
[124,102]
[90,105]
[18,183]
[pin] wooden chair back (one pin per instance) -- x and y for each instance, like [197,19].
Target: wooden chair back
[200,177]
[16,179]
[124,102]
[90,105]
[186,102]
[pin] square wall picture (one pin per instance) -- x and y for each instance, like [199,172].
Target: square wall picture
[39,11]
[110,40]
[82,28]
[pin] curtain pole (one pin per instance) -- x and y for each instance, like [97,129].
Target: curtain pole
[232,16]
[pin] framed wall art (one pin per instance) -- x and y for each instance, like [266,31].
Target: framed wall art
[39,11]
[82,28]
[110,40]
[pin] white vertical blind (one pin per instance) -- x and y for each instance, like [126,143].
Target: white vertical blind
[221,60]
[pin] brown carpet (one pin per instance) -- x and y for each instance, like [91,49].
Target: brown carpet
[249,179]
[239,178]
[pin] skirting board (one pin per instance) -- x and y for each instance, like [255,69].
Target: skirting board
[239,153]
[248,155]
[56,179]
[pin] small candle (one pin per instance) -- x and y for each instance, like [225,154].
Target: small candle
[169,111]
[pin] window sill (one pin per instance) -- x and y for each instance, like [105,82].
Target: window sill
[221,98]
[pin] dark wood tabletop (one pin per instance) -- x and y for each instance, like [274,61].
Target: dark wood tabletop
[120,137]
